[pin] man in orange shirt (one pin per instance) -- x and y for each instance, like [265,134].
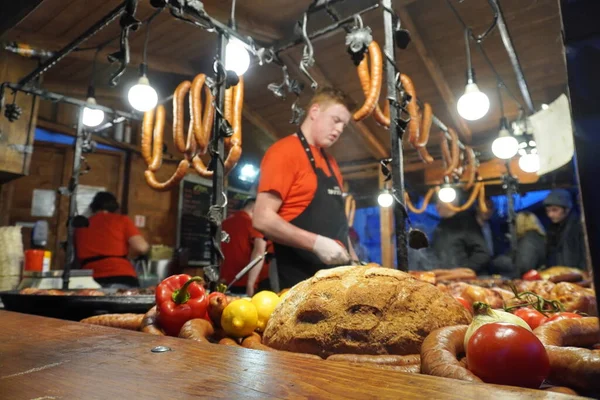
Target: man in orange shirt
[299,204]
[245,244]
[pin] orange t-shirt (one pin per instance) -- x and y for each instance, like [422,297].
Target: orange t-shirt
[286,170]
[107,235]
[239,249]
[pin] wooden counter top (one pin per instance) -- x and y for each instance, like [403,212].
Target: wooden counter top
[44,358]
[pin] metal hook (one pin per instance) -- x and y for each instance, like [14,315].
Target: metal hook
[297,113]
[278,89]
[307,54]
[358,22]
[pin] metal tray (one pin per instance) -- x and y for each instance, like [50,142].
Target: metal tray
[73,307]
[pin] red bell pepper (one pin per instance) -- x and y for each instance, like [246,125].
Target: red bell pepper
[180,298]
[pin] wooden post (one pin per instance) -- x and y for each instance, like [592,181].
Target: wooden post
[386,223]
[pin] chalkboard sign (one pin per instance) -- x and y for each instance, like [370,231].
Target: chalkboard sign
[193,228]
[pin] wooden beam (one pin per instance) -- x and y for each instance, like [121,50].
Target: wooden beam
[173,66]
[13,12]
[262,124]
[375,147]
[356,175]
[247,23]
[435,71]
[386,219]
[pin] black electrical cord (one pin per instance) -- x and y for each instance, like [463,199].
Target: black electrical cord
[147,38]
[232,20]
[479,41]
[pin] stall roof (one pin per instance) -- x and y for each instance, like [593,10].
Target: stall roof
[435,60]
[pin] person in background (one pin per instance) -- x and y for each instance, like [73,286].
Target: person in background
[531,250]
[565,244]
[245,244]
[105,244]
[361,251]
[483,219]
[457,240]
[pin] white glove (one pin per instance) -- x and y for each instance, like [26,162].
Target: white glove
[329,251]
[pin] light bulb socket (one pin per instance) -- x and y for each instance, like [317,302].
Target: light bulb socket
[91,92]
[504,127]
[143,80]
[91,100]
[470,76]
[143,69]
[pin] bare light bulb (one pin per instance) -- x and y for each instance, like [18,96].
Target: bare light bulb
[529,163]
[142,96]
[385,199]
[91,116]
[473,104]
[447,194]
[237,58]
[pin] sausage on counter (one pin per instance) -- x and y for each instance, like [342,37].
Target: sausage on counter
[150,324]
[197,329]
[131,322]
[570,364]
[229,342]
[440,351]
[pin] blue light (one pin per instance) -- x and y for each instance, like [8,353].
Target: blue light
[248,173]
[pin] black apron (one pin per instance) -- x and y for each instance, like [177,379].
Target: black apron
[325,216]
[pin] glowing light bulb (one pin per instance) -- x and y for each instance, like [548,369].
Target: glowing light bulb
[237,58]
[529,163]
[473,104]
[447,194]
[142,96]
[385,199]
[92,117]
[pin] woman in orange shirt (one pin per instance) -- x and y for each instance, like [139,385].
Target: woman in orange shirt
[106,243]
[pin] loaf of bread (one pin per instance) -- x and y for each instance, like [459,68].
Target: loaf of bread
[361,310]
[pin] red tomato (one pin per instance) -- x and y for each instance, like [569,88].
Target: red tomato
[507,354]
[534,318]
[465,303]
[532,275]
[563,315]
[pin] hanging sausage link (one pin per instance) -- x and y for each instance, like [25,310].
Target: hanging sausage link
[152,137]
[426,120]
[413,111]
[471,169]
[477,190]
[234,100]
[374,78]
[350,208]
[423,207]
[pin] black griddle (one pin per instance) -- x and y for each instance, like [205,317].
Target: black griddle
[75,308]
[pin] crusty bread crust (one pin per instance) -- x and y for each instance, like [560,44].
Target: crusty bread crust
[361,310]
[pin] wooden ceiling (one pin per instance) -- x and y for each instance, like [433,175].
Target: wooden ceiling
[435,60]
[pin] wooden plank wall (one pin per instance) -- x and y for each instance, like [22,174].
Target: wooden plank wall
[124,176]
[14,162]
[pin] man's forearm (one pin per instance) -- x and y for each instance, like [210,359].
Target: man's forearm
[279,230]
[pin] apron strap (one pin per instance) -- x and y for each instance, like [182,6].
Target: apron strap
[309,153]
